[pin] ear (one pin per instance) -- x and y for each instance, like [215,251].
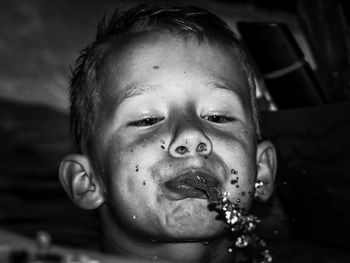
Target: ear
[266,160]
[78,180]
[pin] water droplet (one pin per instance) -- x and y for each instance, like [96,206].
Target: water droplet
[134,217]
[144,182]
[205,242]
[162,146]
[137,168]
[162,141]
[233,171]
[234,181]
[237,186]
[238,200]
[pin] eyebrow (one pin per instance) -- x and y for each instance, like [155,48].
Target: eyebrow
[236,91]
[216,85]
[137,90]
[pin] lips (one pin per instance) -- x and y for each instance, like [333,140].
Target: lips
[180,188]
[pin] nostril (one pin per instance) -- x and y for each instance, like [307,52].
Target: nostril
[202,147]
[181,150]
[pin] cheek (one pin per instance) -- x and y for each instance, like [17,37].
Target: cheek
[239,157]
[128,168]
[241,190]
[119,169]
[237,145]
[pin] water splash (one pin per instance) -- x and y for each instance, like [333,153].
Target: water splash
[241,225]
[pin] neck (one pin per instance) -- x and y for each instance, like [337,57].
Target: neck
[214,252]
[115,241]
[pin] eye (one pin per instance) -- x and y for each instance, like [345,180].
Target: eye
[146,122]
[218,118]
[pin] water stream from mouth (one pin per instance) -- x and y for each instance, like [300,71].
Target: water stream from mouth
[241,225]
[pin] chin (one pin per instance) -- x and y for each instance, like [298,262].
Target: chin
[192,230]
[191,219]
[193,236]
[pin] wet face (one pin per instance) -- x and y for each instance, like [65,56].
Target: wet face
[172,111]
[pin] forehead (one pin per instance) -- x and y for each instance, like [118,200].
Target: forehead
[154,57]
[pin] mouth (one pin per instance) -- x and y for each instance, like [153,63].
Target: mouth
[184,186]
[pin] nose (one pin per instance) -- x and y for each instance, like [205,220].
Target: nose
[189,140]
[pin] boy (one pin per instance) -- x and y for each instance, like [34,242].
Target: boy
[164,95]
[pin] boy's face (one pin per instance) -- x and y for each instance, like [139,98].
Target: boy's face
[171,110]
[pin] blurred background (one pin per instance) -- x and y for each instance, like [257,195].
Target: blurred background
[301,49]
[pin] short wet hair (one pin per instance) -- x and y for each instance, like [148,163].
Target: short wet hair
[182,21]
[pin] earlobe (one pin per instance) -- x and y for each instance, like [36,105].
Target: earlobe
[266,159]
[79,182]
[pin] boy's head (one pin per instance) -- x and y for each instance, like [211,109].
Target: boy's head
[164,94]
[179,22]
